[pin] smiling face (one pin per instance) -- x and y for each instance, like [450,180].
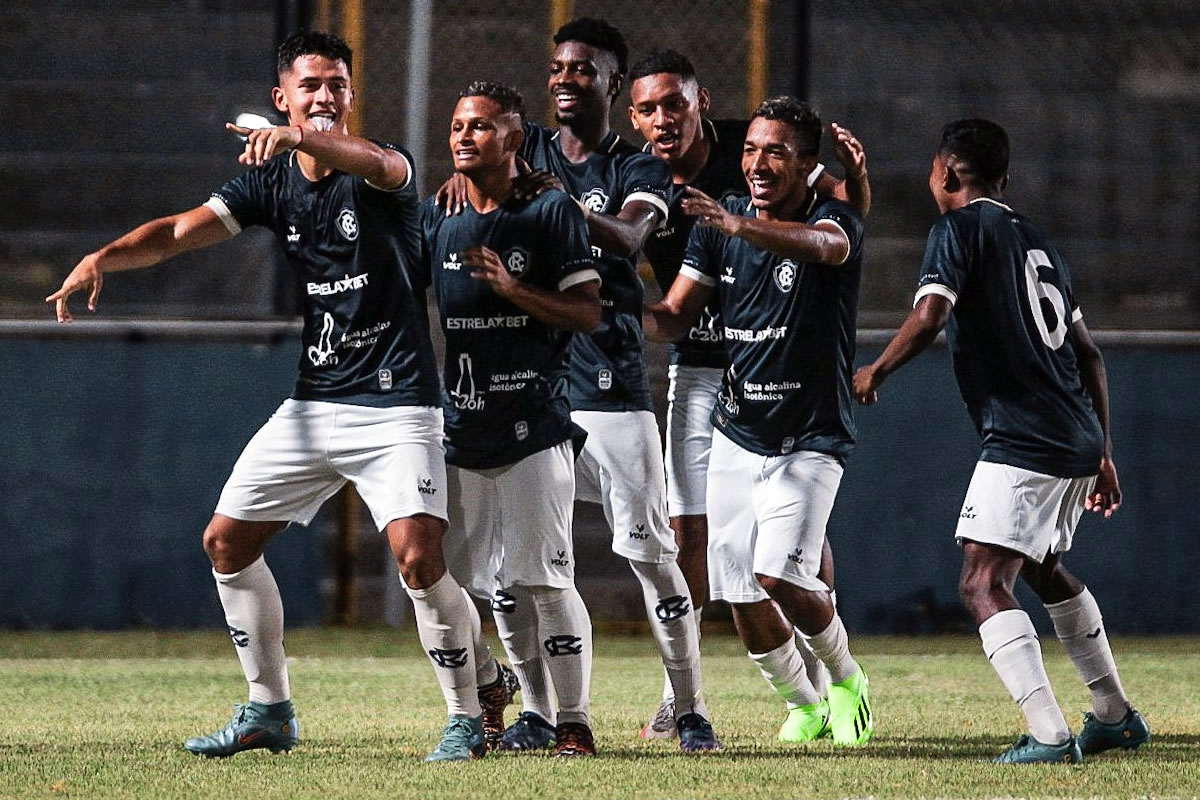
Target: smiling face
[667,109]
[316,93]
[776,170]
[583,82]
[482,136]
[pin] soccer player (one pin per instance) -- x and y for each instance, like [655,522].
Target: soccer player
[668,107]
[512,279]
[1035,386]
[365,405]
[785,264]
[624,194]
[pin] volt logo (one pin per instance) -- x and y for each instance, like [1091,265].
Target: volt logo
[639,532]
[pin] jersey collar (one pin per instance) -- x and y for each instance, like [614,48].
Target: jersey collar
[993,202]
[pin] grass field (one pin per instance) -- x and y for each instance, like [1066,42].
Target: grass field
[104,715]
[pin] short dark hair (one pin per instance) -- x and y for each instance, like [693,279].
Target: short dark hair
[980,145]
[312,43]
[597,33]
[672,62]
[803,118]
[508,98]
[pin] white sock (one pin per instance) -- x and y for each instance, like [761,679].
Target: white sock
[817,672]
[668,693]
[784,670]
[254,614]
[1080,627]
[444,627]
[1011,644]
[832,647]
[486,668]
[516,617]
[566,634]
[669,607]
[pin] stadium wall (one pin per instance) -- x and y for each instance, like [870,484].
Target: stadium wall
[118,445]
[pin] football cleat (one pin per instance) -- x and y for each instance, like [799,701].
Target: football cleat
[573,739]
[806,723]
[696,734]
[1028,750]
[662,726]
[254,725]
[529,732]
[462,740]
[1096,736]
[493,698]
[850,717]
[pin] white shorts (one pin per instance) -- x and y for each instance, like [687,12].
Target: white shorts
[691,395]
[308,449]
[766,516]
[621,467]
[511,525]
[1029,512]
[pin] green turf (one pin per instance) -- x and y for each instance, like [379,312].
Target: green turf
[104,715]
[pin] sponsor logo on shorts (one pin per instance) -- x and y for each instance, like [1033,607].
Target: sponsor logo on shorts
[796,556]
[560,559]
[604,379]
[968,512]
[639,532]
[563,645]
[348,223]
[385,379]
[503,602]
[787,444]
[521,429]
[449,659]
[425,486]
[239,636]
[672,608]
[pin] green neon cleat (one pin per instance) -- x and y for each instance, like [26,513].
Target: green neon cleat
[850,716]
[806,723]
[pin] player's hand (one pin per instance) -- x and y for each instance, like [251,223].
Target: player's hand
[1105,496]
[263,143]
[530,182]
[849,151]
[86,274]
[486,265]
[711,213]
[452,195]
[866,385]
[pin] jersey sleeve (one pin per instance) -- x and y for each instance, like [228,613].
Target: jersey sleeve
[702,258]
[647,178]
[242,201]
[566,237]
[945,267]
[846,219]
[409,185]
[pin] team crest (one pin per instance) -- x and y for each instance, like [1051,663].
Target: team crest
[595,200]
[516,260]
[348,223]
[785,275]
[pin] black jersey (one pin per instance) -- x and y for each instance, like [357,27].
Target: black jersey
[1011,339]
[608,370]
[505,375]
[789,333]
[719,178]
[356,251]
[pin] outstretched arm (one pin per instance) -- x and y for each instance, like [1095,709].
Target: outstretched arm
[576,308]
[625,233]
[671,318]
[381,166]
[822,243]
[1106,495]
[144,246]
[919,330]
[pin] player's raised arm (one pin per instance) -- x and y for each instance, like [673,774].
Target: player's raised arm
[856,188]
[626,232]
[144,246]
[381,166]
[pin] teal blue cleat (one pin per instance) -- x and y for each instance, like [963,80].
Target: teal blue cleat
[255,725]
[462,740]
[1096,736]
[1029,750]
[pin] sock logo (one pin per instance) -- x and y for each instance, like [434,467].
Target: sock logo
[240,637]
[1094,634]
[563,645]
[672,608]
[449,659]
[503,602]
